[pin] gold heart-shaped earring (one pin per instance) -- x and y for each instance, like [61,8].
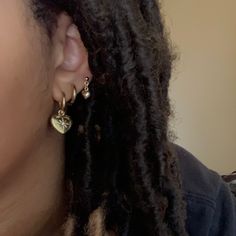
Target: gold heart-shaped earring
[61,122]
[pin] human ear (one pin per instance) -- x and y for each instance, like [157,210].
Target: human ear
[70,59]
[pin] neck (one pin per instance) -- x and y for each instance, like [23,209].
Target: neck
[32,195]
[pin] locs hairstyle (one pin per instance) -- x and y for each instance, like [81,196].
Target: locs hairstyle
[118,154]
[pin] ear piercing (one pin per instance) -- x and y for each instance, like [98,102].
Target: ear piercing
[62,122]
[73,96]
[85,92]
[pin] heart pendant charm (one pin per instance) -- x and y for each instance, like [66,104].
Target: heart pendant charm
[62,123]
[86,94]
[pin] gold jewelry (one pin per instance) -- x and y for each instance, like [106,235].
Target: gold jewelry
[73,96]
[61,122]
[85,92]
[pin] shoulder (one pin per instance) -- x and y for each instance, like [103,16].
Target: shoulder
[197,179]
[211,207]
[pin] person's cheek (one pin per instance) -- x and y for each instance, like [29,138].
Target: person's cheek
[22,110]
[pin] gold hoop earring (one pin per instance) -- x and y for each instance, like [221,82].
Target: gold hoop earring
[73,96]
[85,92]
[61,122]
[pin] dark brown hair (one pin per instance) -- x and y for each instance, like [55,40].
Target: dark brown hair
[118,154]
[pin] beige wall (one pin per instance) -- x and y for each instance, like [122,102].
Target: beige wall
[203,87]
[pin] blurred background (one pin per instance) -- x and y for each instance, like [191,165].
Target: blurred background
[203,85]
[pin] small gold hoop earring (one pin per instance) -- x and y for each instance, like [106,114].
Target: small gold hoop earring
[60,121]
[62,105]
[85,92]
[74,95]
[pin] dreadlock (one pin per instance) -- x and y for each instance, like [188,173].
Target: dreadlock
[119,158]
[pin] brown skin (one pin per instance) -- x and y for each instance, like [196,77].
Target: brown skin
[33,77]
